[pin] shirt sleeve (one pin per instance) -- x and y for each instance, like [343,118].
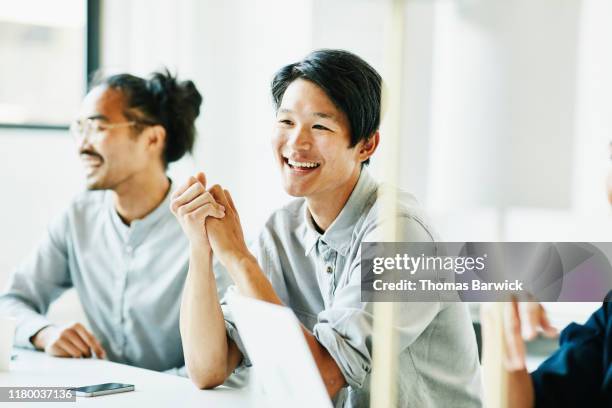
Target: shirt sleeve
[36,283]
[346,328]
[232,331]
[574,374]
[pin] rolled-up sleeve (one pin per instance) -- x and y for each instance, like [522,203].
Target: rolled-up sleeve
[232,330]
[347,335]
[36,283]
[346,331]
[346,328]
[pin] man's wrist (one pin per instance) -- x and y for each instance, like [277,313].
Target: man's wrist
[200,251]
[39,339]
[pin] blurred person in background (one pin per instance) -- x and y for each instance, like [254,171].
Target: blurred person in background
[577,374]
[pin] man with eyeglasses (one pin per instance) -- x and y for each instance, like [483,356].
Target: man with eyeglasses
[117,244]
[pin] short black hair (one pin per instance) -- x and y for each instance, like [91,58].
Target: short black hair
[351,83]
[161,100]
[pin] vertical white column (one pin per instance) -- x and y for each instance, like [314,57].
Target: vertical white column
[384,364]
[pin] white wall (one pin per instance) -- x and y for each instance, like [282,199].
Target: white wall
[39,174]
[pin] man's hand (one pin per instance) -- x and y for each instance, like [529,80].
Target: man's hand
[191,204]
[225,234]
[72,340]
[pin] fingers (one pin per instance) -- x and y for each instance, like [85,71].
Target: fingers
[184,187]
[90,340]
[69,350]
[75,339]
[548,329]
[208,210]
[188,195]
[515,346]
[230,201]
[193,195]
[219,195]
[201,178]
[533,320]
[537,321]
[206,199]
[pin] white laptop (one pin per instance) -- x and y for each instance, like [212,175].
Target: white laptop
[283,364]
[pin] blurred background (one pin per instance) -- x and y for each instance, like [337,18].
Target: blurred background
[506,105]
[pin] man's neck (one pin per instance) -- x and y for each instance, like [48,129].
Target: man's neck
[139,196]
[325,208]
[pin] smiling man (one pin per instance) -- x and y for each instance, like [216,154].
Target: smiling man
[308,255]
[117,243]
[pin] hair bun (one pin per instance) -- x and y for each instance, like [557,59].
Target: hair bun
[174,95]
[162,100]
[179,106]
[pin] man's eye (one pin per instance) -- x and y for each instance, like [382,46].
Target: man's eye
[320,127]
[285,122]
[96,126]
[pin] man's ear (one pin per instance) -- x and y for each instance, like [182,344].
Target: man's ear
[369,146]
[156,137]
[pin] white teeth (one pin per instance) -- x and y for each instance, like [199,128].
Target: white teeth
[302,164]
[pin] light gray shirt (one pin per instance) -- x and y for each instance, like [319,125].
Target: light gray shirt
[318,276]
[129,280]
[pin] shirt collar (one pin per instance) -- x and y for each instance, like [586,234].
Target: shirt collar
[338,235]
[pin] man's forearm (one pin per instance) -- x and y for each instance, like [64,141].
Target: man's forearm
[251,282]
[202,325]
[328,368]
[250,279]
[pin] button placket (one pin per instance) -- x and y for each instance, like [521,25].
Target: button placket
[328,258]
[128,257]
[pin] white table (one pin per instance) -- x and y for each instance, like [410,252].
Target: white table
[152,389]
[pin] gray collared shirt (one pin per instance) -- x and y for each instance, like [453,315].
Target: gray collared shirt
[128,279]
[318,276]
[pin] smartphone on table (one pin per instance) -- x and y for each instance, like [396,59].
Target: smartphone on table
[102,389]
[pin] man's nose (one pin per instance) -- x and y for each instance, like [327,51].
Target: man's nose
[300,138]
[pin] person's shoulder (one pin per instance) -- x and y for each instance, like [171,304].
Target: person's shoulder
[410,218]
[290,215]
[81,209]
[279,228]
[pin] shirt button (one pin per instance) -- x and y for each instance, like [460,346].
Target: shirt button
[129,249]
[329,269]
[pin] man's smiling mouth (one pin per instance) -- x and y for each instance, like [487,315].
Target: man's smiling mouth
[301,165]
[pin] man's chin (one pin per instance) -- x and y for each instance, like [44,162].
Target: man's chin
[92,183]
[295,191]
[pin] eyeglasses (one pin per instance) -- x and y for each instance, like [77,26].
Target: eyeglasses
[94,129]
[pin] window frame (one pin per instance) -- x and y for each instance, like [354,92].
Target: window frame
[92,62]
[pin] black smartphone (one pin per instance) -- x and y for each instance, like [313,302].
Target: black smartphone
[101,389]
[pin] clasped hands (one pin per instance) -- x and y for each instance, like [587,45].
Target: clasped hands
[210,220]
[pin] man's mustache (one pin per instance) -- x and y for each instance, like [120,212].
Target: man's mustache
[90,153]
